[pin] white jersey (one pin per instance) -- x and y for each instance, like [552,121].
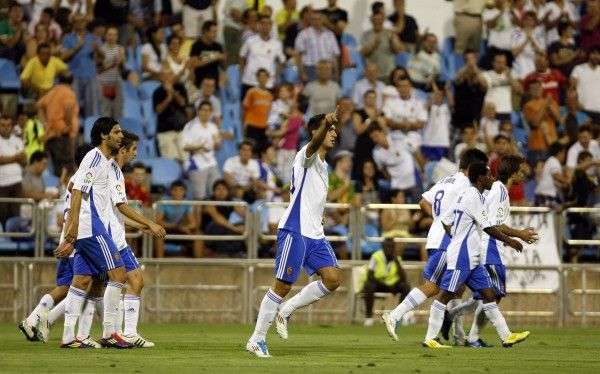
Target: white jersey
[308,189]
[468,218]
[441,196]
[116,227]
[497,205]
[92,179]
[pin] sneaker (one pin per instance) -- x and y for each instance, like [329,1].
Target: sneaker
[478,344]
[138,341]
[258,348]
[281,323]
[434,343]
[391,325]
[445,330]
[43,327]
[75,344]
[115,341]
[29,331]
[91,342]
[368,322]
[514,338]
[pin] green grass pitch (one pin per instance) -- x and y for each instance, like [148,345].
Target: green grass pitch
[310,349]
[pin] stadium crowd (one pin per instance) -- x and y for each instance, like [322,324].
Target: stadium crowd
[226,115]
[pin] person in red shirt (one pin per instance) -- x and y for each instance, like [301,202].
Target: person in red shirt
[552,80]
[135,184]
[589,26]
[504,147]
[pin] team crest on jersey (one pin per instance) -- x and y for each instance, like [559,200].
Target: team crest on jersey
[289,270]
[119,189]
[88,178]
[500,212]
[117,256]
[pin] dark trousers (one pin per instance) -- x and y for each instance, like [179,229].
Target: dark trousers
[371,286]
[8,210]
[62,153]
[259,136]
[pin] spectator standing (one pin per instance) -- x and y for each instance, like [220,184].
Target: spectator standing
[170,101]
[500,84]
[34,135]
[405,115]
[39,73]
[261,51]
[209,56]
[405,26]
[584,78]
[232,29]
[201,138]
[79,48]
[323,93]
[178,65]
[362,119]
[585,142]
[136,184]
[369,82]
[13,34]
[280,109]
[286,17]
[527,41]
[436,133]
[572,117]
[379,46]
[154,53]
[250,19]
[425,67]
[314,44]
[336,18]
[345,127]
[548,192]
[58,109]
[489,126]
[294,29]
[541,114]
[467,24]
[195,14]
[12,158]
[589,27]
[116,13]
[47,18]
[207,93]
[241,172]
[257,104]
[41,36]
[563,52]
[469,91]
[111,63]
[377,7]
[499,21]
[552,80]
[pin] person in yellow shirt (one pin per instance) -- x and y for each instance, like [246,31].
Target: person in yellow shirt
[286,17]
[38,76]
[384,274]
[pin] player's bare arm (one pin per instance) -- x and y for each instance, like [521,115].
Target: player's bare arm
[319,136]
[495,233]
[130,213]
[528,234]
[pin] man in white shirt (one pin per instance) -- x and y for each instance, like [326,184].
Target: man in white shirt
[201,138]
[552,180]
[585,78]
[436,133]
[500,84]
[499,22]
[241,172]
[261,51]
[585,142]
[12,159]
[369,82]
[406,115]
[313,44]
[208,87]
[425,67]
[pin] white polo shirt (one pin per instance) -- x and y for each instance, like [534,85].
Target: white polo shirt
[242,174]
[10,173]
[260,53]
[499,90]
[576,148]
[587,86]
[196,134]
[436,132]
[546,186]
[399,163]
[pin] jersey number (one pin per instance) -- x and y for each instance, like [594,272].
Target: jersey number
[457,216]
[437,202]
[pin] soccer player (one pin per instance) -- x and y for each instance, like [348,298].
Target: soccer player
[497,205]
[468,218]
[300,237]
[435,203]
[131,304]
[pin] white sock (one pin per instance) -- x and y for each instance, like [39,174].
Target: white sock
[479,320]
[132,314]
[86,319]
[412,301]
[46,303]
[73,303]
[266,314]
[112,295]
[100,309]
[436,318]
[312,292]
[462,307]
[492,312]
[119,324]
[56,312]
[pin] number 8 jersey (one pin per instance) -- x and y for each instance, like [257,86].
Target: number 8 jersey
[441,197]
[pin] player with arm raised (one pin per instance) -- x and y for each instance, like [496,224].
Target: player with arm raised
[497,205]
[465,220]
[300,238]
[435,202]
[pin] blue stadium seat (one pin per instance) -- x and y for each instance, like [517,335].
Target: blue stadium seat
[232,120]
[129,91]
[349,41]
[454,62]
[290,74]
[20,224]
[9,78]
[134,58]
[429,169]
[150,118]
[147,88]
[421,94]
[88,123]
[228,149]
[146,149]
[448,46]
[133,125]
[6,245]
[403,58]
[349,78]
[132,108]
[234,83]
[517,120]
[358,61]
[50,180]
[164,171]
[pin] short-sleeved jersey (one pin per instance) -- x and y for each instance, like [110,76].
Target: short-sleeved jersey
[468,218]
[116,227]
[441,196]
[92,179]
[497,205]
[308,189]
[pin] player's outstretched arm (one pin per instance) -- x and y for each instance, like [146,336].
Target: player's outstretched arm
[495,233]
[134,224]
[319,136]
[130,213]
[528,234]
